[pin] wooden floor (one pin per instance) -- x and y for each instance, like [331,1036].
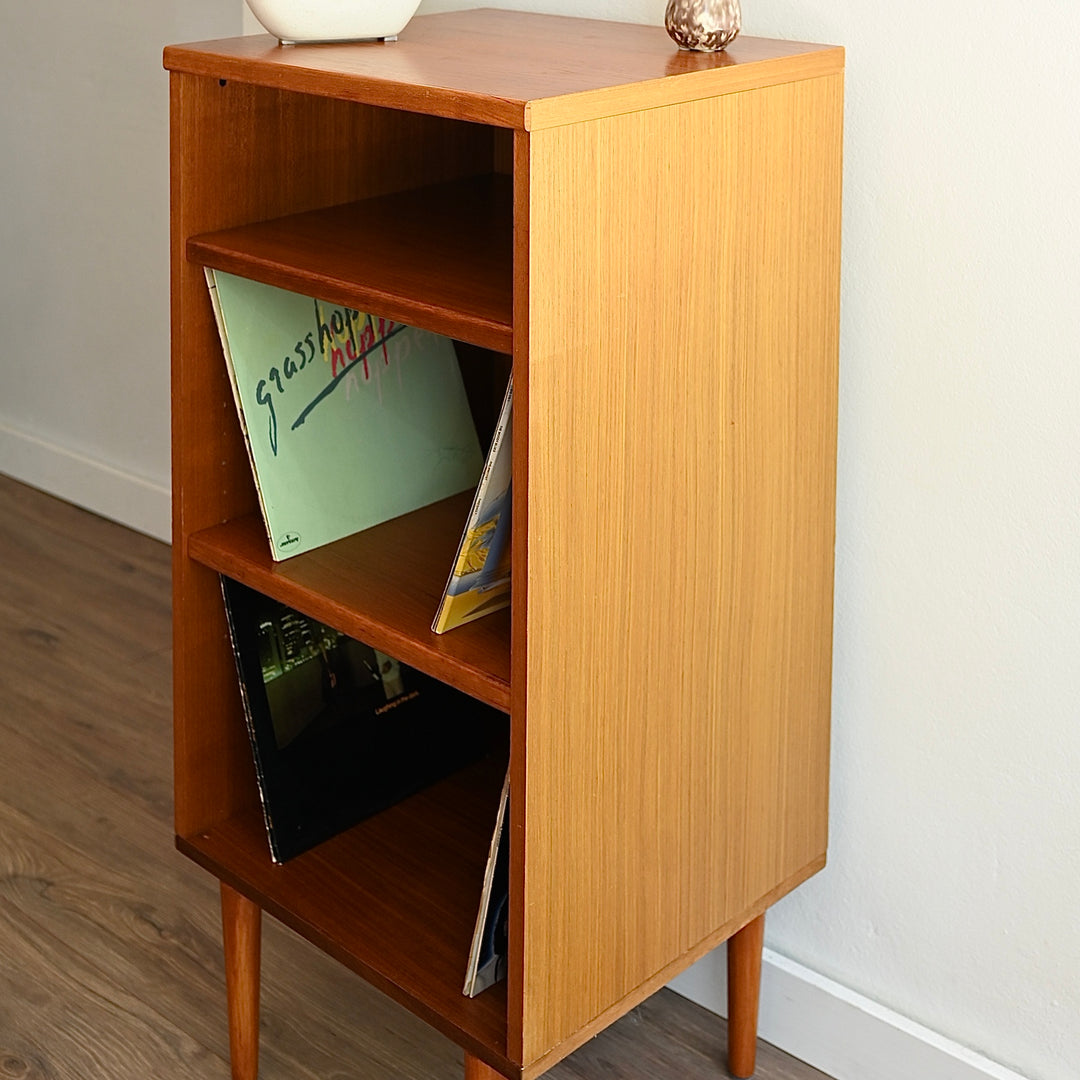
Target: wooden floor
[110,943]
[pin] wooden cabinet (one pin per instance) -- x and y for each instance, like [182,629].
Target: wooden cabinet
[653,236]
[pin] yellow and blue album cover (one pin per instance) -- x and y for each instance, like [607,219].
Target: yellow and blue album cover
[350,419]
[480,579]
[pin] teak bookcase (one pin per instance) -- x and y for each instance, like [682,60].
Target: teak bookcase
[654,237]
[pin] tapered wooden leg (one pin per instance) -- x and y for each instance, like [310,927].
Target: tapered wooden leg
[241,924]
[475,1069]
[744,990]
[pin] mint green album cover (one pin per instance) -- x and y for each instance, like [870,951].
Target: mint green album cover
[350,419]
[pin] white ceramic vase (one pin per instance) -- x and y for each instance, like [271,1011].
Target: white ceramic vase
[294,21]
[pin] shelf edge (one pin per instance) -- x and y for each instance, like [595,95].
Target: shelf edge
[204,548]
[474,330]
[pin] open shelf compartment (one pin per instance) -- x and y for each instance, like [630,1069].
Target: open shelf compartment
[394,898]
[438,257]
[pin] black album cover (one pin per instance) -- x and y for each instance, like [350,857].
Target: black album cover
[338,729]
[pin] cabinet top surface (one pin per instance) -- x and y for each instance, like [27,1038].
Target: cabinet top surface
[509,68]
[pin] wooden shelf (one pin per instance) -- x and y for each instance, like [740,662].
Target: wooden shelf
[438,257]
[393,898]
[381,586]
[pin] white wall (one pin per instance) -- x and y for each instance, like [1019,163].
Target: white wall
[84,279]
[954,867]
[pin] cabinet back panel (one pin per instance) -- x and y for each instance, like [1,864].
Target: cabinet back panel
[681,391]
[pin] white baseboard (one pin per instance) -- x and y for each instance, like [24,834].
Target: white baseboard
[837,1030]
[103,489]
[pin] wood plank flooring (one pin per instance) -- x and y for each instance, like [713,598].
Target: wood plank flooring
[110,941]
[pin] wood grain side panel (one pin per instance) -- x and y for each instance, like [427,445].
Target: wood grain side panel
[681,441]
[211,761]
[241,154]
